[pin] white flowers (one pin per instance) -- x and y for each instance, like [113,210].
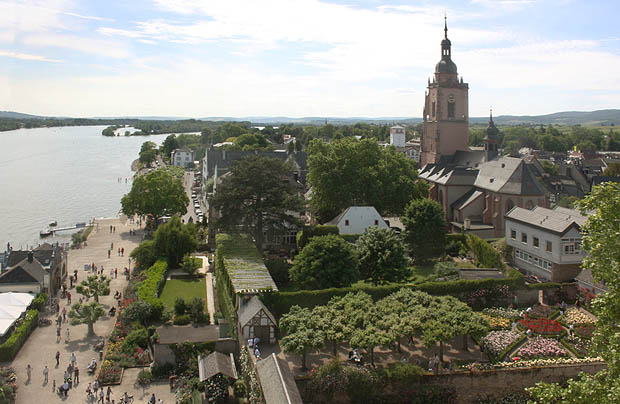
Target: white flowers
[496,342]
[575,316]
[541,347]
[545,362]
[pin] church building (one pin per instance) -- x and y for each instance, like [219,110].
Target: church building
[475,186]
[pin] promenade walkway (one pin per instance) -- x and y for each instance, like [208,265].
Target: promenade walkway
[40,348]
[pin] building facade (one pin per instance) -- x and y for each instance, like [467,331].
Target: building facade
[182,157]
[546,242]
[356,219]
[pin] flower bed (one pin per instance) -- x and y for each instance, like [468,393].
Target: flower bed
[510,314]
[542,326]
[541,347]
[540,311]
[496,342]
[497,323]
[8,385]
[110,373]
[546,362]
[585,331]
[579,346]
[575,316]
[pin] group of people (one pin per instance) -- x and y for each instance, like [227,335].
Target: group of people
[253,343]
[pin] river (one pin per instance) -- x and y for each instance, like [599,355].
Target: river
[68,174]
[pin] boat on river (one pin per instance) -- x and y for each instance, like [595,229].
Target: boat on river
[46,233]
[54,223]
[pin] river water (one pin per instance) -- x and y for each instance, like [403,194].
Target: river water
[68,174]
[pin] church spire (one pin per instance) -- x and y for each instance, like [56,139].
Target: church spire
[445,26]
[491,115]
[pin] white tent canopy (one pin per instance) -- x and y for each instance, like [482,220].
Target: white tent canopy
[12,306]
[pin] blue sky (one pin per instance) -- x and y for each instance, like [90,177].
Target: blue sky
[198,58]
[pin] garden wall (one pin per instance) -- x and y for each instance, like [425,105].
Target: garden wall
[498,383]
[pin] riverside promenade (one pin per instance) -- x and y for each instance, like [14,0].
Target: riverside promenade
[41,347]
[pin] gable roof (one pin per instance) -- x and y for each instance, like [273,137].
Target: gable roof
[277,381]
[466,199]
[351,209]
[558,220]
[41,254]
[216,363]
[24,272]
[508,175]
[252,307]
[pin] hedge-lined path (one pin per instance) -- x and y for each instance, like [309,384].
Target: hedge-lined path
[40,348]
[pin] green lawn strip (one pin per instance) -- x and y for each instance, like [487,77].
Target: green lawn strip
[185,288]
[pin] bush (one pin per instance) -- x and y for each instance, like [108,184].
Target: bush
[144,254]
[161,370]
[196,310]
[181,320]
[12,345]
[485,255]
[190,265]
[447,270]
[144,377]
[138,337]
[179,306]
[151,287]
[39,302]
[304,236]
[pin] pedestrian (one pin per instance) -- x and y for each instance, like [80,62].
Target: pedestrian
[73,359]
[67,335]
[112,246]
[577,303]
[571,330]
[64,314]
[515,301]
[75,274]
[46,373]
[57,307]
[54,386]
[108,254]
[58,335]
[108,393]
[115,273]
[28,373]
[57,358]
[101,396]
[152,400]
[71,282]
[122,251]
[110,228]
[160,401]
[119,252]
[95,385]
[76,375]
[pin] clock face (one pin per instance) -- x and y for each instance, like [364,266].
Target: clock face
[451,98]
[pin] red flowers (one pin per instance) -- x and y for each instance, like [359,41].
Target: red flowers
[541,325]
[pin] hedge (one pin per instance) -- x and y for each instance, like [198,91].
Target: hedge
[485,255]
[39,302]
[224,289]
[456,237]
[151,287]
[304,236]
[281,302]
[10,348]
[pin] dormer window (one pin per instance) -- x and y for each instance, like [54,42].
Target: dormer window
[346,222]
[491,180]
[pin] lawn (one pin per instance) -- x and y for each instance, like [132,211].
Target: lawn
[185,288]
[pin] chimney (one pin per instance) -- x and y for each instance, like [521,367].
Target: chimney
[30,256]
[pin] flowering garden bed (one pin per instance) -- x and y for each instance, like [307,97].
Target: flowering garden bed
[110,373]
[585,331]
[8,385]
[579,346]
[541,347]
[540,311]
[497,323]
[498,344]
[575,316]
[541,326]
[510,314]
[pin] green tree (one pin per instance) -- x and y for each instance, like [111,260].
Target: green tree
[252,141]
[94,286]
[301,335]
[87,313]
[349,172]
[371,334]
[567,201]
[325,262]
[600,241]
[139,311]
[169,145]
[190,265]
[148,153]
[425,229]
[145,254]
[259,195]
[381,256]
[174,240]
[157,193]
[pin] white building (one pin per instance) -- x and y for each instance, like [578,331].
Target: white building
[546,242]
[182,157]
[356,219]
[397,136]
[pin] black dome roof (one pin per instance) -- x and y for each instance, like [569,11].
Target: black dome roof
[445,65]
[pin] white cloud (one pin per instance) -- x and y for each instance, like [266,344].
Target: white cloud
[27,56]
[100,47]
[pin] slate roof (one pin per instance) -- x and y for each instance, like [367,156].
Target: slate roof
[216,363]
[43,255]
[338,218]
[558,220]
[508,175]
[176,334]
[277,381]
[466,199]
[248,310]
[24,272]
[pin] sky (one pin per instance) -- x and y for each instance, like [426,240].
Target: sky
[300,58]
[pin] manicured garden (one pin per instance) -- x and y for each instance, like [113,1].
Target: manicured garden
[186,288]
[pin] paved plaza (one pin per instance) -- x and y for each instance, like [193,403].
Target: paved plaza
[41,347]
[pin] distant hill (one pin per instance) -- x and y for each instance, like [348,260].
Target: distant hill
[601,117]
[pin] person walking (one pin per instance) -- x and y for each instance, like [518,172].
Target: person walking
[122,251]
[153,400]
[76,375]
[73,359]
[108,254]
[58,334]
[57,358]
[64,314]
[67,335]
[54,386]
[28,373]
[115,273]
[46,373]
[101,395]
[108,393]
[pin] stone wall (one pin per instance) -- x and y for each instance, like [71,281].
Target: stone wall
[497,383]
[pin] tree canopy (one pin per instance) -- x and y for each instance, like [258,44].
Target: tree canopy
[381,255]
[148,153]
[259,195]
[425,229]
[94,286]
[325,262]
[348,172]
[173,240]
[86,313]
[600,241]
[171,143]
[158,193]
[299,326]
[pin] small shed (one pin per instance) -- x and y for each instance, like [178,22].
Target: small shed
[277,381]
[255,320]
[216,363]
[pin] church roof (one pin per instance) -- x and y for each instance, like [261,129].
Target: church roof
[508,175]
[466,199]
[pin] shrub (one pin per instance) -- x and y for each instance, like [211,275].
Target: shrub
[239,389]
[181,320]
[39,302]
[144,377]
[150,287]
[447,270]
[485,255]
[197,310]
[138,337]
[304,236]
[278,269]
[144,254]
[12,345]
[190,265]
[161,370]
[179,306]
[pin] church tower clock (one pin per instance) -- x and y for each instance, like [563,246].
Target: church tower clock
[446,111]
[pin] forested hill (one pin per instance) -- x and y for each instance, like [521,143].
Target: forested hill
[595,118]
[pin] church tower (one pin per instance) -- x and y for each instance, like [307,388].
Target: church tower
[491,139]
[446,109]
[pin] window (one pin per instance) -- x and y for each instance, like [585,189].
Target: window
[535,242]
[451,108]
[513,234]
[571,246]
[376,222]
[549,246]
[433,110]
[524,238]
[346,222]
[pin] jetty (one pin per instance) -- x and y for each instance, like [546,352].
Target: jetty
[51,230]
